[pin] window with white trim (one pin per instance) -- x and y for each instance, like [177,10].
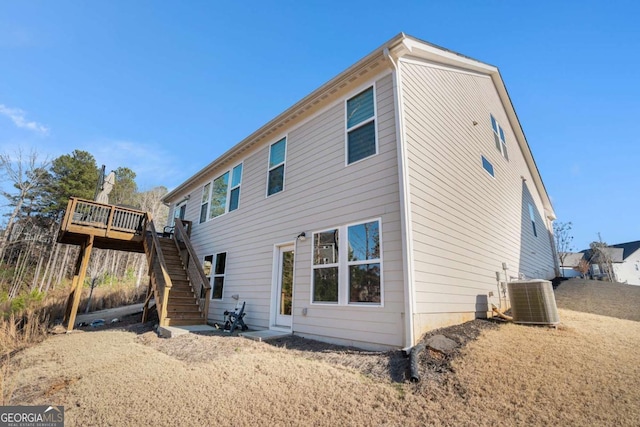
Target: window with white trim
[179,211]
[204,207]
[218,269]
[364,263]
[220,196]
[361,126]
[498,136]
[486,164]
[533,220]
[348,271]
[325,266]
[234,193]
[275,176]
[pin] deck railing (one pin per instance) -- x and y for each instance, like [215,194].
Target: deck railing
[87,213]
[197,277]
[158,275]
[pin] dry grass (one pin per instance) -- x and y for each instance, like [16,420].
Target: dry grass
[605,298]
[23,328]
[586,372]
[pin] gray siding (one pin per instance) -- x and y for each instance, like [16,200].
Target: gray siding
[465,223]
[320,192]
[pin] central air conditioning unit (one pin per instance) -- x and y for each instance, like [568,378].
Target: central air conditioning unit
[533,302]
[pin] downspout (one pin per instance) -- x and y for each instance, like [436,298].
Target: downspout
[405,210]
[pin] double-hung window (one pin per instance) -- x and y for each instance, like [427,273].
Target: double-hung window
[364,262]
[325,266]
[221,196]
[275,177]
[218,269]
[498,136]
[234,194]
[533,220]
[204,207]
[361,126]
[348,271]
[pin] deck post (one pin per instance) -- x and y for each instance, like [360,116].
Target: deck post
[145,310]
[74,299]
[74,286]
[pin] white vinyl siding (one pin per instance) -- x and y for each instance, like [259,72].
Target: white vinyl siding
[462,228]
[321,194]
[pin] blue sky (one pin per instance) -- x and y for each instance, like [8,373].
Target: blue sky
[165,87]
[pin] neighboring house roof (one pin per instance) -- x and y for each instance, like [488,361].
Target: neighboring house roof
[399,46]
[612,252]
[628,248]
[572,259]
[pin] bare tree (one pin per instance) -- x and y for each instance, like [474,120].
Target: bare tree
[583,267]
[26,173]
[602,255]
[563,239]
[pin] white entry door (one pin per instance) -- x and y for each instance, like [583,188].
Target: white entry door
[284,288]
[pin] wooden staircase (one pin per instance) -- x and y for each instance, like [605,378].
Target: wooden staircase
[176,279]
[182,305]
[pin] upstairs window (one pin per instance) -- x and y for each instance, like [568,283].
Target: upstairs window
[486,164]
[498,136]
[220,196]
[361,126]
[234,195]
[533,220]
[275,178]
[204,207]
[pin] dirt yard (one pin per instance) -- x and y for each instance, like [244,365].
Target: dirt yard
[587,372]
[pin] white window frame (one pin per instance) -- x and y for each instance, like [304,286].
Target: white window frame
[228,199]
[484,159]
[343,265]
[232,187]
[315,267]
[213,274]
[364,122]
[532,215]
[202,202]
[498,133]
[283,164]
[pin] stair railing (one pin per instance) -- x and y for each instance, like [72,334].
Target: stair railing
[197,277]
[158,275]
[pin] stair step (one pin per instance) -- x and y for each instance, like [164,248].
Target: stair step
[184,322]
[185,293]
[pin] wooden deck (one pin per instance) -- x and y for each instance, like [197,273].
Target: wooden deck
[177,282]
[112,227]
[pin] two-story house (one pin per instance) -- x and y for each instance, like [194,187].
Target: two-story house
[388,202]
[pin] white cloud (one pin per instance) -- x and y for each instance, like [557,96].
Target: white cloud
[18,117]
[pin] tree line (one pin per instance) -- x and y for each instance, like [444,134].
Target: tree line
[37,191]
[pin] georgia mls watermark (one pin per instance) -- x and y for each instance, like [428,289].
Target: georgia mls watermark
[31,416]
